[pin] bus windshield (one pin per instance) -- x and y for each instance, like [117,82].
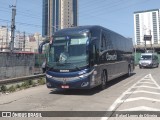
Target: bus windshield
[68,52]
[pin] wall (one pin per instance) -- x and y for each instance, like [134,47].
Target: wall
[16,64]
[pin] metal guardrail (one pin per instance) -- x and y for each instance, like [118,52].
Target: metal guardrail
[20,79]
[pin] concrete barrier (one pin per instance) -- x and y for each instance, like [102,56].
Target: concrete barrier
[14,65]
[20,79]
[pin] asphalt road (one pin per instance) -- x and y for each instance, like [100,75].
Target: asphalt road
[140,92]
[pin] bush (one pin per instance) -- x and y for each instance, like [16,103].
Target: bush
[18,86]
[3,88]
[30,82]
[41,81]
[25,84]
[34,84]
[12,89]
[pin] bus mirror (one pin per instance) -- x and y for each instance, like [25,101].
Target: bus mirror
[40,48]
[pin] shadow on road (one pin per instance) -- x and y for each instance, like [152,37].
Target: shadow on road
[117,80]
[87,92]
[83,92]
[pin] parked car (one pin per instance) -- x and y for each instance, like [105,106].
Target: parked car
[149,60]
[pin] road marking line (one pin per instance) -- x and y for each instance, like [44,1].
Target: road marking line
[141,108]
[139,98]
[114,106]
[146,87]
[154,81]
[143,91]
[147,82]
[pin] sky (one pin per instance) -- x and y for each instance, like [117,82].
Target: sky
[116,15]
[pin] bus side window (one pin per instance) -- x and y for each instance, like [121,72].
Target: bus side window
[103,42]
[93,54]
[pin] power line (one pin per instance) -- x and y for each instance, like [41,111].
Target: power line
[23,14]
[92,14]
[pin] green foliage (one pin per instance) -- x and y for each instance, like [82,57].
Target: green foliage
[18,86]
[41,81]
[12,89]
[30,82]
[25,85]
[34,84]
[3,88]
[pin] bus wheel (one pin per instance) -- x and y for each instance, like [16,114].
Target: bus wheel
[103,80]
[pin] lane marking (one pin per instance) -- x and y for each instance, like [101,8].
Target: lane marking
[140,98]
[147,83]
[154,81]
[141,108]
[119,100]
[143,91]
[145,87]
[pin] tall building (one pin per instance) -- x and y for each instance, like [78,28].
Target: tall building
[147,23]
[4,37]
[58,14]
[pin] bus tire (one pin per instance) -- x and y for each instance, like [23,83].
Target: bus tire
[103,80]
[129,71]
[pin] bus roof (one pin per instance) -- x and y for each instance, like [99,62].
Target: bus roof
[74,30]
[78,29]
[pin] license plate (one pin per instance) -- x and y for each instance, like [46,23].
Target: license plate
[65,86]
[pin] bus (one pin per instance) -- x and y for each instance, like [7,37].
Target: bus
[84,57]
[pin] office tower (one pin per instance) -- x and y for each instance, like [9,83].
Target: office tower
[58,14]
[147,23]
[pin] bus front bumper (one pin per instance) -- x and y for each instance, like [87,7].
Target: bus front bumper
[80,82]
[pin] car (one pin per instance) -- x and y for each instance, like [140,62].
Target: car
[149,60]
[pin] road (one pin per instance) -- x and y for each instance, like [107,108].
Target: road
[140,92]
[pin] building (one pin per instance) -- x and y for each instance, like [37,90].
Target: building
[147,23]
[22,41]
[58,14]
[33,42]
[4,37]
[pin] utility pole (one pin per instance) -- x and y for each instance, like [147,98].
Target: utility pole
[7,38]
[55,18]
[24,41]
[13,26]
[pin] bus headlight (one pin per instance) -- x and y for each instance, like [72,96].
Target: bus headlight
[93,78]
[82,76]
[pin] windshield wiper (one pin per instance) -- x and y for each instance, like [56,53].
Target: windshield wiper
[63,64]
[73,65]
